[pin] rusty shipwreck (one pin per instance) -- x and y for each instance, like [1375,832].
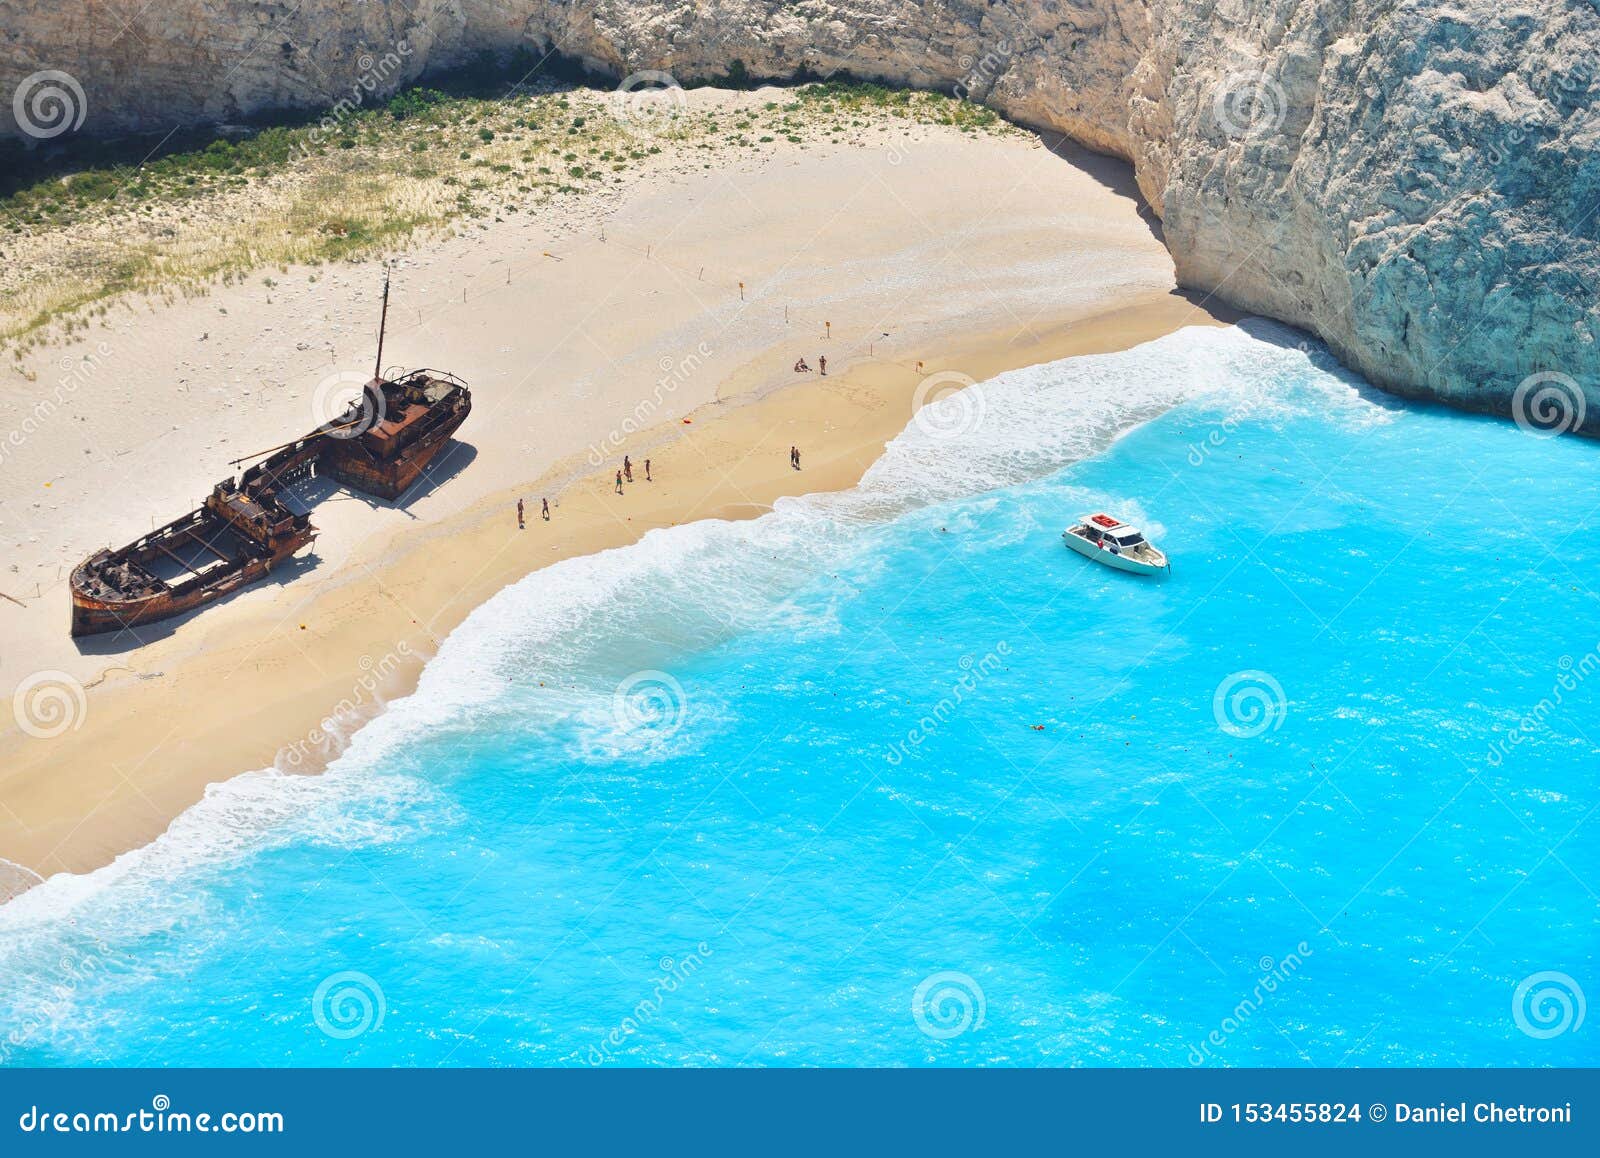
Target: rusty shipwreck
[381,445]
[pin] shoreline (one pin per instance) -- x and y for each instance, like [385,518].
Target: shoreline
[374,628]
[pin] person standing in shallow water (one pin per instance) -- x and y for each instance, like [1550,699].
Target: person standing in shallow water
[520,523]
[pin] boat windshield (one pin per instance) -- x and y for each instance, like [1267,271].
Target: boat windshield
[1132,540]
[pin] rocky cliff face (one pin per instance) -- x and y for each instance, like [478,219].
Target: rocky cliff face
[1414,180]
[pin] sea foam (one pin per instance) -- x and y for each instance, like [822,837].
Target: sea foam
[575,628]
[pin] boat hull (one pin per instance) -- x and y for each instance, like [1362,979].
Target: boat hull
[349,460]
[1116,562]
[245,529]
[95,615]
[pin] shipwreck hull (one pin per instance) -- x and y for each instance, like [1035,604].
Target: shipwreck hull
[229,543]
[352,465]
[92,616]
[184,565]
[382,446]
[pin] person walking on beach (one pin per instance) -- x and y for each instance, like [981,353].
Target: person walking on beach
[647,477]
[627,467]
[794,457]
[822,364]
[520,523]
[546,511]
[619,482]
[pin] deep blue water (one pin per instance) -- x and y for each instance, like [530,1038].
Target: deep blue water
[893,778]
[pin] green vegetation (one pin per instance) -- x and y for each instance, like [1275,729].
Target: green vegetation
[102,219]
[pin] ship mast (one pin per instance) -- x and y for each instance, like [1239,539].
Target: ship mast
[383,321]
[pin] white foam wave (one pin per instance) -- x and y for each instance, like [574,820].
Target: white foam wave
[684,588]
[15,878]
[554,646]
[140,892]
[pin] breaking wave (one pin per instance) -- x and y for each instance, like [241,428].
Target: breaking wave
[559,644]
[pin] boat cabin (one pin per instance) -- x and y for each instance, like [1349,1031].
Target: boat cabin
[1108,532]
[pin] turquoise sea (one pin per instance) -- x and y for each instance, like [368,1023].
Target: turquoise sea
[890,777]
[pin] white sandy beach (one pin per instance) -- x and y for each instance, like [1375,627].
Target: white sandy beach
[960,252]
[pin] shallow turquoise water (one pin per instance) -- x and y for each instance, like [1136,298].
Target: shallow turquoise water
[894,778]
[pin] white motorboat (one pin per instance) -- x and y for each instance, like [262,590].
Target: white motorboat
[1114,543]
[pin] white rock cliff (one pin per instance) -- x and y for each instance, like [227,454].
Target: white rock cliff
[1413,180]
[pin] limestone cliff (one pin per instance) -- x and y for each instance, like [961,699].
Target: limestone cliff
[1414,180]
